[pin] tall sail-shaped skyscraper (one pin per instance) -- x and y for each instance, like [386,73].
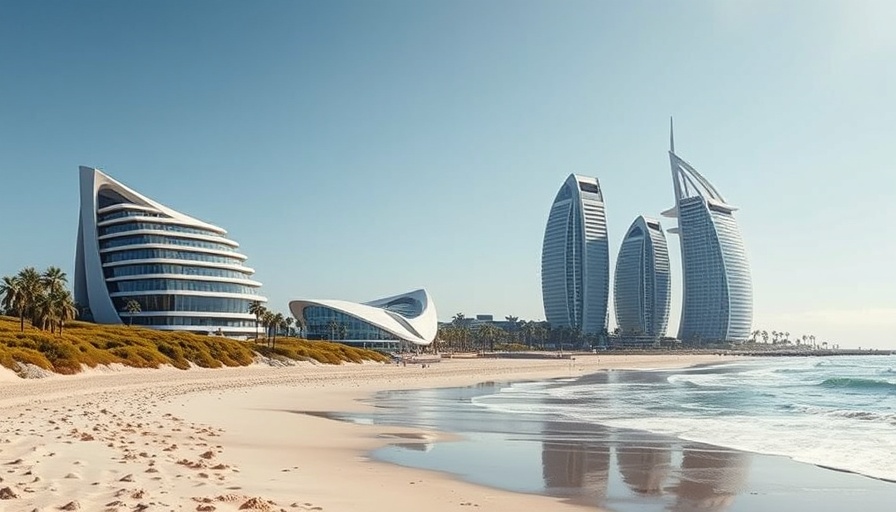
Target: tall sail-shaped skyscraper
[717,287]
[575,258]
[642,287]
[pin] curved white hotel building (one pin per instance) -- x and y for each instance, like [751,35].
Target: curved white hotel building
[717,287]
[185,274]
[575,258]
[642,285]
[408,319]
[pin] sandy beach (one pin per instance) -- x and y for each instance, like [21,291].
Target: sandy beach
[230,439]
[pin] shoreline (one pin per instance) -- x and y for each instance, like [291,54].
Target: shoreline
[219,439]
[624,469]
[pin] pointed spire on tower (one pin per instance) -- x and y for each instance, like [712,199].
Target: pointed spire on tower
[671,136]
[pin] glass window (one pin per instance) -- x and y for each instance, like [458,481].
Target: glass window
[168,254]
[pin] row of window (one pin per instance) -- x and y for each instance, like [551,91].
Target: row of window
[642,286]
[705,311]
[118,214]
[157,321]
[159,239]
[197,304]
[168,254]
[133,226]
[161,284]
[163,268]
[325,323]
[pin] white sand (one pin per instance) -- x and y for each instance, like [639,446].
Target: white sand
[225,440]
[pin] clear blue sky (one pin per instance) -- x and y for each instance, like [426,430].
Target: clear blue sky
[360,149]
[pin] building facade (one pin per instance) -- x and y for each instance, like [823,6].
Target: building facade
[185,274]
[402,321]
[575,258]
[717,287]
[642,285]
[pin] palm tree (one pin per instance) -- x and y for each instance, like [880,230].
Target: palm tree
[488,334]
[289,321]
[765,337]
[64,306]
[267,321]
[541,333]
[528,331]
[53,279]
[42,314]
[257,309]
[514,322]
[132,307]
[13,299]
[30,287]
[458,319]
[277,322]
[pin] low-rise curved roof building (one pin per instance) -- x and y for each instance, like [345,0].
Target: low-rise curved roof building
[387,324]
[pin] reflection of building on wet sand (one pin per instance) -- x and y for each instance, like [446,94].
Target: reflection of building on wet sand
[644,467]
[576,464]
[710,479]
[572,466]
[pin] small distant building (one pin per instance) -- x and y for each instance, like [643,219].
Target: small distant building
[475,322]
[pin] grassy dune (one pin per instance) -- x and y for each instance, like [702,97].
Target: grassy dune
[90,344]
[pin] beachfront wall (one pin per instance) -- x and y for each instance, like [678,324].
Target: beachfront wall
[185,274]
[642,285]
[387,324]
[717,286]
[575,258]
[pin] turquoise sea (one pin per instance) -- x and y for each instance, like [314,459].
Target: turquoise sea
[757,434]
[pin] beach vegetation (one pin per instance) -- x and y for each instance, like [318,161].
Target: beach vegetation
[53,340]
[86,344]
[257,308]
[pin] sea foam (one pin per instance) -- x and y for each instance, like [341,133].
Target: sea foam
[834,413]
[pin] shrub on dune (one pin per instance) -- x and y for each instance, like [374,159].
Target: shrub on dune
[85,344]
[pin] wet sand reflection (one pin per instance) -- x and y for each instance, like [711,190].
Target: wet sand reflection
[710,479]
[585,463]
[644,467]
[577,464]
[573,467]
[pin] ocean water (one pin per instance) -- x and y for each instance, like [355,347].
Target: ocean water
[837,412]
[758,434]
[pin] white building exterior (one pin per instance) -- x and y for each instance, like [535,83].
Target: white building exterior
[642,283]
[185,273]
[575,258]
[387,324]
[717,286]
